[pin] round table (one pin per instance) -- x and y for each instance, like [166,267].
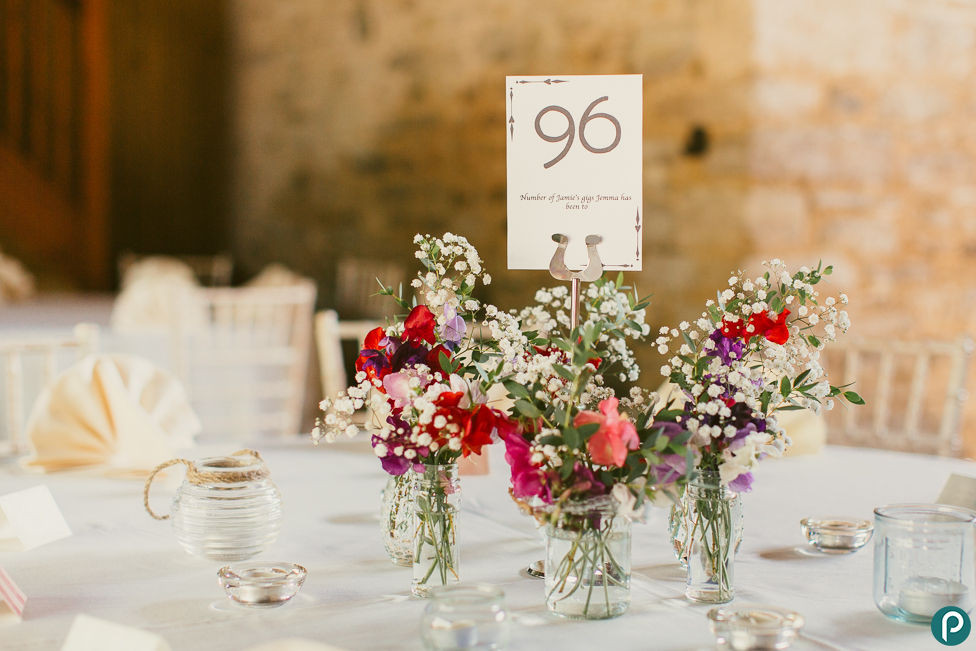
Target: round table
[123,566]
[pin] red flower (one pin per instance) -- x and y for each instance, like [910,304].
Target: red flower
[477,433]
[760,325]
[374,339]
[778,333]
[434,358]
[732,329]
[419,326]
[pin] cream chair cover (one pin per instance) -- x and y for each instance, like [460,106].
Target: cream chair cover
[155,295]
[16,283]
[276,275]
[119,413]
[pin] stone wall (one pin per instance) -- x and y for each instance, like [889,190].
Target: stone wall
[863,152]
[834,129]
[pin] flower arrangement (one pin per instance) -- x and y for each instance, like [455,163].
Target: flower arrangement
[579,461]
[427,399]
[753,352]
[422,380]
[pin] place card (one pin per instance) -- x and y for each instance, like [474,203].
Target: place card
[959,490]
[92,634]
[12,598]
[30,518]
[575,167]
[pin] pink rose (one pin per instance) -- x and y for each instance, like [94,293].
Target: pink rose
[608,447]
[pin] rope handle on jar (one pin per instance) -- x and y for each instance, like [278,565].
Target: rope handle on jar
[194,476]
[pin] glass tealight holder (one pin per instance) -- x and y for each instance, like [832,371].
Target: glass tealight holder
[261,584]
[833,535]
[465,617]
[752,627]
[923,560]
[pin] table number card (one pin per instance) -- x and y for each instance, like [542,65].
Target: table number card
[12,598]
[30,518]
[92,634]
[575,154]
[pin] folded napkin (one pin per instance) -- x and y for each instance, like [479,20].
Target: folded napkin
[16,283]
[118,413]
[156,293]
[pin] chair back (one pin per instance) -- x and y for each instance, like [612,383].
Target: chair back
[243,353]
[30,363]
[357,286]
[210,270]
[330,333]
[914,392]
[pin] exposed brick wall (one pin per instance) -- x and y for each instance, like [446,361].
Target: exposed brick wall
[836,129]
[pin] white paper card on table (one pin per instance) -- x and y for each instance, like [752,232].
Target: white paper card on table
[575,166]
[12,598]
[959,490]
[30,518]
[92,634]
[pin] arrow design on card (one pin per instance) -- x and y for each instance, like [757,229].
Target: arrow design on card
[547,82]
[637,227]
[511,114]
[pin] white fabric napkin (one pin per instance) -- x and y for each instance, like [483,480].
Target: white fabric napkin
[118,413]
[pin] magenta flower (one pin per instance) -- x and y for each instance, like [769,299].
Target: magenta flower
[527,480]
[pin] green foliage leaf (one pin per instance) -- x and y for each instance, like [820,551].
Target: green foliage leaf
[527,409]
[784,387]
[587,430]
[517,390]
[853,398]
[572,437]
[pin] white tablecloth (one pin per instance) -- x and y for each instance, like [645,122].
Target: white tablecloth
[123,566]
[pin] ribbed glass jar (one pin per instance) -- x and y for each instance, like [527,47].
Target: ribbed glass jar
[227,520]
[396,516]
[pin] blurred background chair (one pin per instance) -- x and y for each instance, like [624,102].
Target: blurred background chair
[210,270]
[357,286]
[330,335]
[31,363]
[914,392]
[245,365]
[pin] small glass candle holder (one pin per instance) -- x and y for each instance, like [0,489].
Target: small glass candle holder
[923,560]
[752,627]
[465,617]
[836,535]
[261,584]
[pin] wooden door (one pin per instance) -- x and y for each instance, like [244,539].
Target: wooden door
[54,119]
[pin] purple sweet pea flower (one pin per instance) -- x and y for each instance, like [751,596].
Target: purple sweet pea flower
[725,347]
[406,354]
[452,332]
[742,483]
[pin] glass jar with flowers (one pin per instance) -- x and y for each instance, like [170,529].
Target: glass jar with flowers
[427,400]
[592,470]
[754,351]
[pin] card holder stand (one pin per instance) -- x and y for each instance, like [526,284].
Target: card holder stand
[559,271]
